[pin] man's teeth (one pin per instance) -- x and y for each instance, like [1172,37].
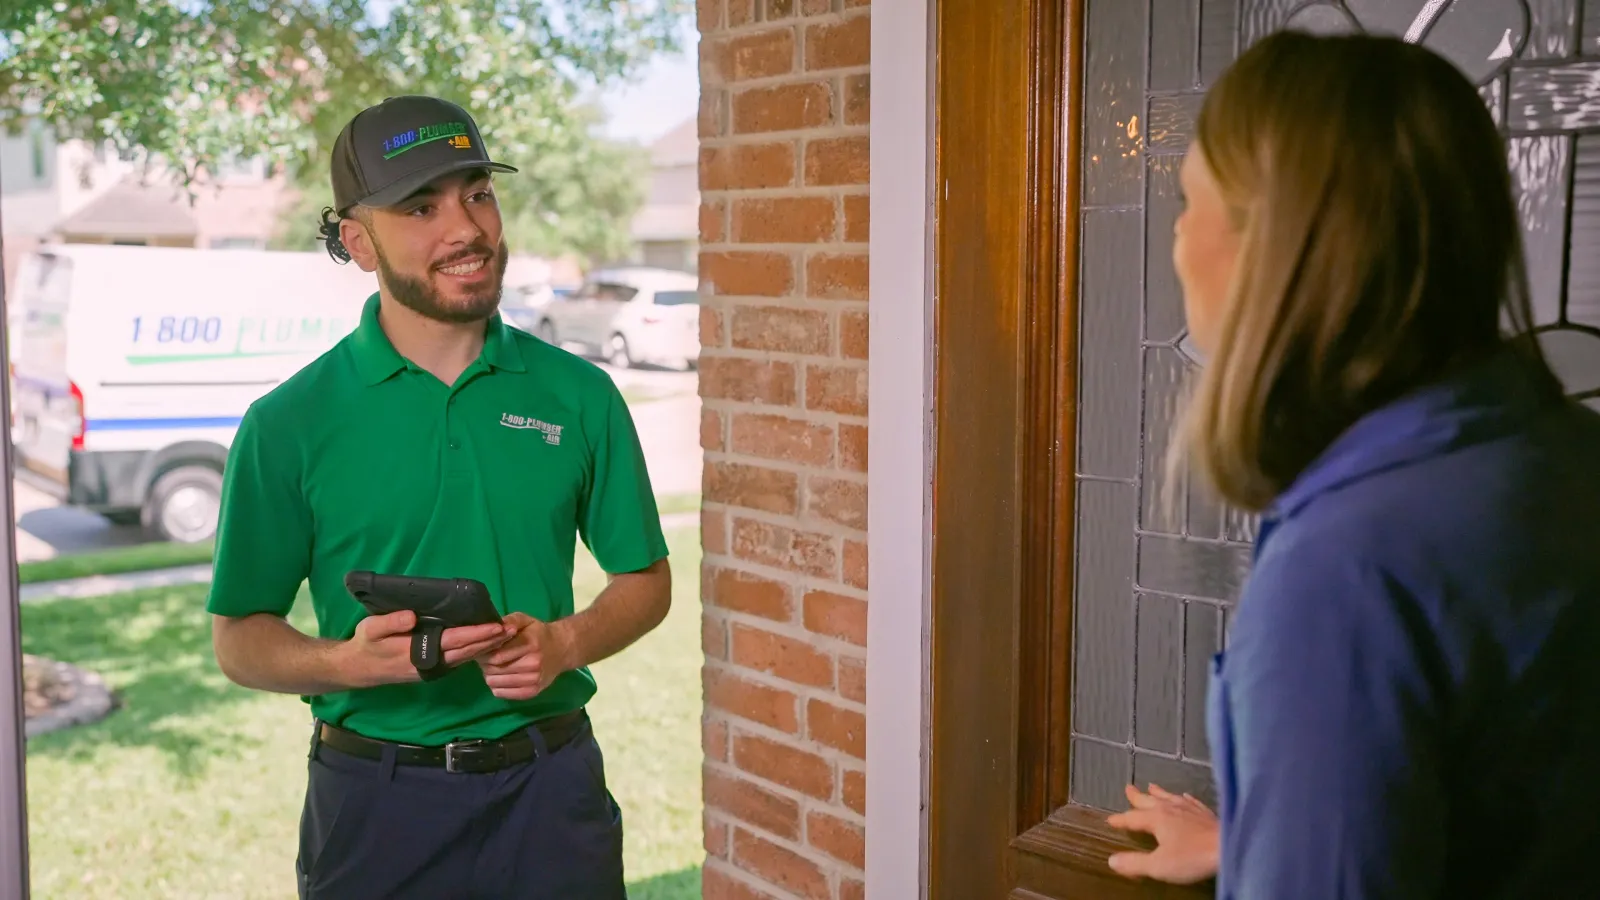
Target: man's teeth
[466,268]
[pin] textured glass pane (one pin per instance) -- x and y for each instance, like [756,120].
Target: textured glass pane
[1553,31]
[1158,674]
[1109,354]
[1202,638]
[1555,98]
[1583,263]
[1174,44]
[1161,503]
[1172,118]
[1192,568]
[1163,298]
[1175,775]
[1219,35]
[1322,18]
[1114,101]
[1480,36]
[1575,355]
[1540,167]
[1103,651]
[1262,17]
[1099,773]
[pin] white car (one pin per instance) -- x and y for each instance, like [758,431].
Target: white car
[629,316]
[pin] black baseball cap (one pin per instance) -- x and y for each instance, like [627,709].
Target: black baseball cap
[390,151]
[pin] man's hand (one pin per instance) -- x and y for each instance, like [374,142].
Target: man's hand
[380,650]
[1185,831]
[527,663]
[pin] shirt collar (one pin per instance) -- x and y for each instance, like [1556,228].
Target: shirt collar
[377,360]
[1481,403]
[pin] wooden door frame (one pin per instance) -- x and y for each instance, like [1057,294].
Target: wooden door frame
[1007,171]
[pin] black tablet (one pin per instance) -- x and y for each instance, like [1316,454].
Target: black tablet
[439,603]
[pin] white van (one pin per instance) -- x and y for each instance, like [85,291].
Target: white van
[132,367]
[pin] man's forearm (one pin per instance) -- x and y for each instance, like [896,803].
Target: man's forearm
[266,653]
[630,607]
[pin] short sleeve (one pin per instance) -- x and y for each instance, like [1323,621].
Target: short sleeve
[618,519]
[263,547]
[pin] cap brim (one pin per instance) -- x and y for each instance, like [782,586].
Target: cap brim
[416,181]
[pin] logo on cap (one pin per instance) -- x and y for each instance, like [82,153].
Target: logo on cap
[454,132]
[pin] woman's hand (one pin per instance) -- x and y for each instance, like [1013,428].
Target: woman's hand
[1186,835]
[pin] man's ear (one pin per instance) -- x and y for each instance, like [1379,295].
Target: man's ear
[355,232]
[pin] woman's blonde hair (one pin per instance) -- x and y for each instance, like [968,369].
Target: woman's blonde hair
[1380,247]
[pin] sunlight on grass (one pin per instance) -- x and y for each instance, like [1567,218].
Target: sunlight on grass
[138,558]
[193,788]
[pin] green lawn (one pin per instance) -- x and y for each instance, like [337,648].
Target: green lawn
[193,788]
[138,558]
[667,504]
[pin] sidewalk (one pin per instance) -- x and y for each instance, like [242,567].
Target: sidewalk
[99,585]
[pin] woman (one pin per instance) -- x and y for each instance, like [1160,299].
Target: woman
[1410,700]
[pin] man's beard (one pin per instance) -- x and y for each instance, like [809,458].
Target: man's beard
[419,295]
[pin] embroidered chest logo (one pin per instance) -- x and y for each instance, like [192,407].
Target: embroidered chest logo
[552,433]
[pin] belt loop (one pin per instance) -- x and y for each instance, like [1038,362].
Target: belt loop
[541,747]
[316,738]
[386,767]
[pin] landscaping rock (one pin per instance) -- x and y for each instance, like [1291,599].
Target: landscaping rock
[56,695]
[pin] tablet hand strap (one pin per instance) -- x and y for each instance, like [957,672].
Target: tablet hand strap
[426,654]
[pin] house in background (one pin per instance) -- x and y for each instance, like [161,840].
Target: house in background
[666,229]
[78,192]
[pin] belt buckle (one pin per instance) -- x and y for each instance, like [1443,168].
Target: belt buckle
[459,755]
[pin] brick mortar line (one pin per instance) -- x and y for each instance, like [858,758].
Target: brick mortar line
[731,196]
[748,878]
[849,13]
[830,129]
[775,356]
[839,758]
[810,248]
[799,846]
[783,465]
[805,808]
[793,468]
[792,136]
[823,416]
[793,523]
[797,75]
[829,693]
[835,648]
[758,568]
[814,416]
[801,691]
[801,303]
[782,576]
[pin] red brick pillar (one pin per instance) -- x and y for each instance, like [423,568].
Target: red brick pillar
[783,231]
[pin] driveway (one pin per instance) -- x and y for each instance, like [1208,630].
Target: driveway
[669,430]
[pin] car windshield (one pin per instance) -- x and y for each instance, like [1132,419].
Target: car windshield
[677,298]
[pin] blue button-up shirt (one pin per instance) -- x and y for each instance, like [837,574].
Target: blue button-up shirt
[1409,702]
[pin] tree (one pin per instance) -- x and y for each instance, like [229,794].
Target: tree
[195,82]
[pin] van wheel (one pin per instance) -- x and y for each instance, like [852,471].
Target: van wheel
[184,505]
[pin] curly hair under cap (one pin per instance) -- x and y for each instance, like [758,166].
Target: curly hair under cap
[329,230]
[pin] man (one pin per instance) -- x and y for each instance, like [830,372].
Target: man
[436,441]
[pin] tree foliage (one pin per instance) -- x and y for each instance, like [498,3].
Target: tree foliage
[195,82]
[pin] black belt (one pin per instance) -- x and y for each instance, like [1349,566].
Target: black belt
[475,756]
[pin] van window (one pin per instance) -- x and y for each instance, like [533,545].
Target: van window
[677,298]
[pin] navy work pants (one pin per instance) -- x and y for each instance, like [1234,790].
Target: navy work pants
[547,829]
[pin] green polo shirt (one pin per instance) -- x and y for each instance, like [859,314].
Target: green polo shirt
[362,460]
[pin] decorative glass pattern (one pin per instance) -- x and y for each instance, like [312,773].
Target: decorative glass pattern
[1160,564]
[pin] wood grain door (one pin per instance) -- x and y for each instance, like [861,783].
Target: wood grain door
[1073,616]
